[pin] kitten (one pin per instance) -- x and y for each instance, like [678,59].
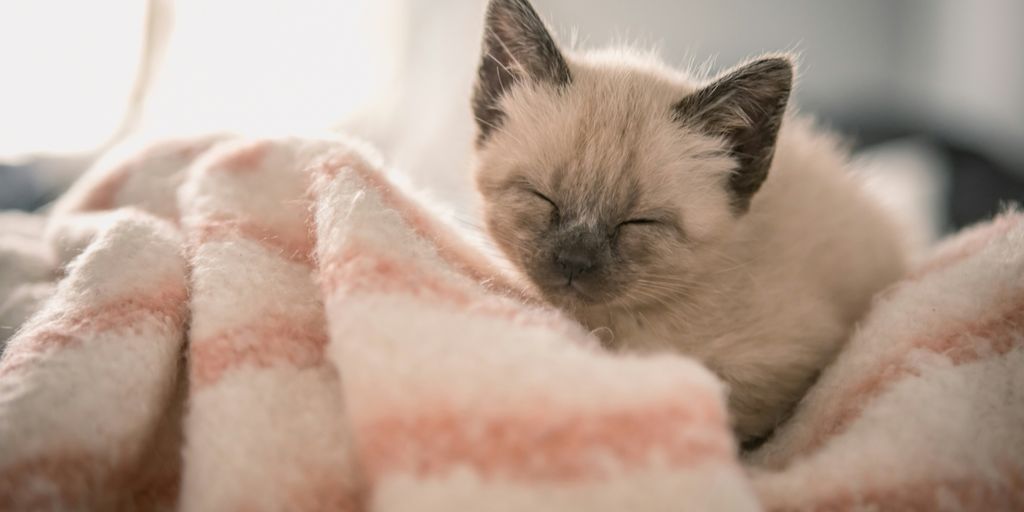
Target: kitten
[671,214]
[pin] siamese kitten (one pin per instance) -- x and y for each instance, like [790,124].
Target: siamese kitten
[668,213]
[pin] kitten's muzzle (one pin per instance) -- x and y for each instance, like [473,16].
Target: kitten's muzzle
[579,255]
[573,263]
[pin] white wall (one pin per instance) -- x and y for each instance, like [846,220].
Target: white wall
[400,71]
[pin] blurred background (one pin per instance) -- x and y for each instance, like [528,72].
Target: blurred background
[929,92]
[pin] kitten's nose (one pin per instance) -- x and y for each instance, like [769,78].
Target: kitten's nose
[574,263]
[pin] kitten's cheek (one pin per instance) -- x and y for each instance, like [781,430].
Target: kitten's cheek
[518,245]
[533,221]
[630,248]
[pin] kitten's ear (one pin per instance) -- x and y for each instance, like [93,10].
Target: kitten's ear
[746,107]
[516,46]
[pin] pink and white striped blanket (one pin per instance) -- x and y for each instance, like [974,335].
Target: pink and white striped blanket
[275,325]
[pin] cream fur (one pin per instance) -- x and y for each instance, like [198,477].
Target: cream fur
[771,294]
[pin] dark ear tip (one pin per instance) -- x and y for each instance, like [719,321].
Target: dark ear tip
[779,60]
[496,6]
[778,66]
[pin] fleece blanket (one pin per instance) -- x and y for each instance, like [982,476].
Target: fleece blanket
[233,324]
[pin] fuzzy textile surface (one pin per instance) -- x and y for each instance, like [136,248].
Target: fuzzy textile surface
[229,324]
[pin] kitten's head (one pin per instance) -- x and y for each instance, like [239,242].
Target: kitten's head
[607,180]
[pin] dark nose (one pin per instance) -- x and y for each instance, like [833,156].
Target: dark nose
[574,262]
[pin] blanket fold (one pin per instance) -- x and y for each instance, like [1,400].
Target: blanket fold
[86,382]
[276,325]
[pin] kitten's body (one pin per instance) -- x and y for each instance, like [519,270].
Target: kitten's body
[617,160]
[777,299]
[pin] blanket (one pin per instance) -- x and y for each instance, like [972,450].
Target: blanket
[230,324]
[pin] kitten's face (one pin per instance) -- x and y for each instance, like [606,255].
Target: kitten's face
[595,193]
[602,180]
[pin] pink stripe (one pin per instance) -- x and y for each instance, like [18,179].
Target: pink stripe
[103,195]
[449,247]
[167,304]
[297,249]
[274,342]
[81,480]
[547,443]
[360,270]
[1000,334]
[970,243]
[971,494]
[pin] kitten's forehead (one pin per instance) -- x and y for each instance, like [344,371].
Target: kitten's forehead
[617,137]
[596,190]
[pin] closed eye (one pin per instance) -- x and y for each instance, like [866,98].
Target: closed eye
[662,224]
[632,222]
[544,198]
[640,222]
